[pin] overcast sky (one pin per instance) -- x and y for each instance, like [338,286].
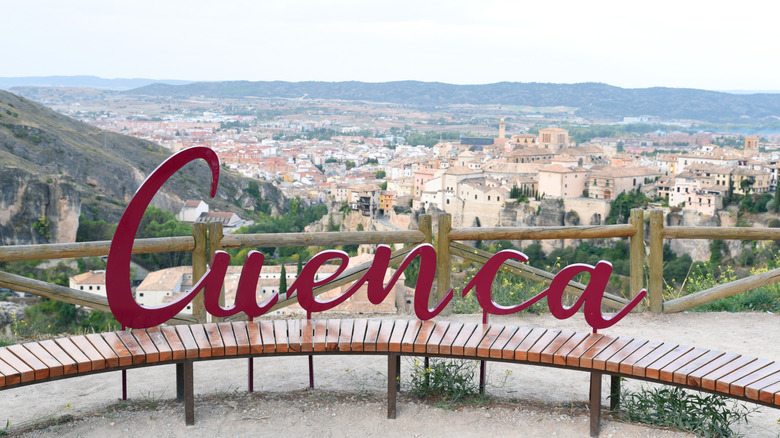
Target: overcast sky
[715,45]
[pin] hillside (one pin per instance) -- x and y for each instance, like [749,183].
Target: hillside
[57,168]
[592,100]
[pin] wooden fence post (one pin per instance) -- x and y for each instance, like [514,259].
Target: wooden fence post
[443,259]
[637,252]
[656,281]
[426,226]
[215,244]
[199,262]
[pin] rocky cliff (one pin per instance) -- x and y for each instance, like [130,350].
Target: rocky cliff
[55,168]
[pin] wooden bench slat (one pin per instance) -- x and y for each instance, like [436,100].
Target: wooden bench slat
[136,352]
[142,338]
[243,346]
[294,334]
[2,380]
[667,373]
[214,339]
[123,356]
[358,334]
[586,360]
[407,343]
[345,334]
[55,367]
[332,335]
[547,355]
[770,394]
[98,362]
[40,370]
[638,369]
[534,354]
[397,336]
[515,341]
[654,369]
[724,384]
[470,347]
[573,358]
[761,378]
[613,363]
[10,375]
[600,360]
[694,377]
[627,365]
[559,358]
[191,348]
[463,337]
[420,342]
[178,352]
[307,335]
[437,335]
[385,331]
[454,329]
[708,381]
[97,341]
[680,376]
[17,367]
[254,330]
[280,336]
[372,334]
[521,352]
[483,349]
[501,341]
[165,351]
[229,341]
[202,339]
[320,335]
[267,337]
[82,361]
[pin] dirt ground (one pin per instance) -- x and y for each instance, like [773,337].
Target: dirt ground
[349,396]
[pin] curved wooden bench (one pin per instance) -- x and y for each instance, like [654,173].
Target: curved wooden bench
[732,375]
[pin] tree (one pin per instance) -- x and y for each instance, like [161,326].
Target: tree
[283,282]
[381,174]
[383,186]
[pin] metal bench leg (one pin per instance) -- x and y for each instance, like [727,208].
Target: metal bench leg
[614,392]
[189,394]
[393,383]
[595,403]
[179,382]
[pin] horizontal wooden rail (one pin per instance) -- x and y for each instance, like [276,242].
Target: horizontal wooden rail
[721,233]
[321,239]
[722,291]
[346,277]
[543,233]
[92,249]
[531,273]
[66,294]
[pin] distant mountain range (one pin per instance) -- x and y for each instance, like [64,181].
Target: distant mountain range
[82,82]
[593,101]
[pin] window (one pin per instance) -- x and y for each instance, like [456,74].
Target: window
[448,201]
[90,288]
[498,198]
[634,182]
[141,294]
[81,287]
[475,197]
[488,197]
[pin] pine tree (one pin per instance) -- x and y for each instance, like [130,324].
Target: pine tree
[283,282]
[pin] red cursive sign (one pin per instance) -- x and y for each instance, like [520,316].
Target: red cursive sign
[129,313]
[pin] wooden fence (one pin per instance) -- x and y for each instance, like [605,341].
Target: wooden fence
[208,239]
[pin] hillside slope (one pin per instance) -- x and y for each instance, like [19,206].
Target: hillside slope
[55,167]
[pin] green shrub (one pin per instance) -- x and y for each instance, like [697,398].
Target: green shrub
[706,415]
[451,379]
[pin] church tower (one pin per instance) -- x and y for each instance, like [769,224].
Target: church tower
[502,128]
